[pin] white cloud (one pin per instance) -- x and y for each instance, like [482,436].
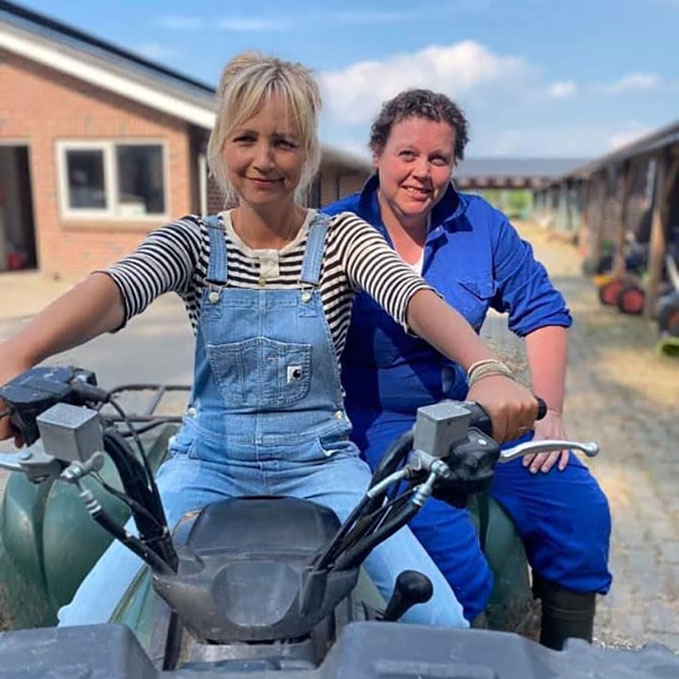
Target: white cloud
[157,51]
[562,89]
[181,23]
[252,25]
[354,94]
[633,82]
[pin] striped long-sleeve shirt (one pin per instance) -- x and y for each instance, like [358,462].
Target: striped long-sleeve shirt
[175,258]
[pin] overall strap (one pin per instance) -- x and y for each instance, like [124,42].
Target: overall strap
[313,255]
[217,269]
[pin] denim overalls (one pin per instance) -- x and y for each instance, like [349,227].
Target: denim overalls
[266,417]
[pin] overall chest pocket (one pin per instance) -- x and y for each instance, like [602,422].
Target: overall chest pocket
[260,372]
[473,299]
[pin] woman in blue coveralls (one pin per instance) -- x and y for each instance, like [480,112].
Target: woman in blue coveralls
[473,257]
[268,286]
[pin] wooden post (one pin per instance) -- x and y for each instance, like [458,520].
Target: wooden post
[619,254]
[596,230]
[656,250]
[583,198]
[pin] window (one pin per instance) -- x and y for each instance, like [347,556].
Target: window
[118,180]
[86,179]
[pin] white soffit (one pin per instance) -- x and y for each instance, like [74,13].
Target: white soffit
[68,61]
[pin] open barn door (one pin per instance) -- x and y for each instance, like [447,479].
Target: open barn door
[17,231]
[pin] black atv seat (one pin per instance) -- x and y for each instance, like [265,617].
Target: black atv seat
[262,525]
[240,578]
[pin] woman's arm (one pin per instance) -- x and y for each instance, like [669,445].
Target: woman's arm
[511,406]
[165,260]
[547,353]
[91,308]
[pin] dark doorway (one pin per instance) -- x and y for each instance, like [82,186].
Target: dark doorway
[17,232]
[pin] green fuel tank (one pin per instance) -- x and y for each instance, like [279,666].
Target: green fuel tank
[49,542]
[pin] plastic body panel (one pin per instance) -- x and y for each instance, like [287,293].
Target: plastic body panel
[365,650]
[50,542]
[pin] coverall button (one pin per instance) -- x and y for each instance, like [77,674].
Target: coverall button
[213,297]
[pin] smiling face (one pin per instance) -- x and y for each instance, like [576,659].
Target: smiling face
[415,167]
[264,156]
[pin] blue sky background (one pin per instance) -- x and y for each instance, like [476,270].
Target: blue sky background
[535,77]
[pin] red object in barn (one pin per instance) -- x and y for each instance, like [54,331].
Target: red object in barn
[14,261]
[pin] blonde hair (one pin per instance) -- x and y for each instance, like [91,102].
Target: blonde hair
[247,81]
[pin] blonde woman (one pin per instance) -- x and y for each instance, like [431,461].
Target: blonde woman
[268,287]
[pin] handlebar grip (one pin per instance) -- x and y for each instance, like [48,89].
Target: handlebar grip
[481,420]
[542,408]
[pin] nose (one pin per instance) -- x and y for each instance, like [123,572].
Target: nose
[421,168]
[263,160]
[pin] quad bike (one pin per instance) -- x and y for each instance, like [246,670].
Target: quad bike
[48,542]
[286,597]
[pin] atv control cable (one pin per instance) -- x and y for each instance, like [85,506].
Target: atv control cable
[135,506]
[133,543]
[358,553]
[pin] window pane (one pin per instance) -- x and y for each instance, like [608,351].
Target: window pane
[85,169]
[140,180]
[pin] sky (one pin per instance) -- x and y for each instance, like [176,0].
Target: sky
[534,77]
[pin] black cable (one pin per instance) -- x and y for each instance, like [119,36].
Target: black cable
[327,556]
[135,506]
[144,458]
[132,543]
[129,424]
[357,554]
[158,508]
[131,473]
[372,522]
[137,478]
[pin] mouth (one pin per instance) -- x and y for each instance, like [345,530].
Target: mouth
[264,181]
[417,191]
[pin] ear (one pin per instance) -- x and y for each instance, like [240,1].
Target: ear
[376,160]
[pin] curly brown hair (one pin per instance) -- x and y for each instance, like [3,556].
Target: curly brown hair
[419,104]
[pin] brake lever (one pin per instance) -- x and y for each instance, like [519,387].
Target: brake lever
[589,448]
[34,462]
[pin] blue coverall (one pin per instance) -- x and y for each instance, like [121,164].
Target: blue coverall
[474,258]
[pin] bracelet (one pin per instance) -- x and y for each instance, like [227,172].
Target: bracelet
[478,364]
[490,367]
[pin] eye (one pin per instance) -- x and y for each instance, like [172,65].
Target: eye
[407,154]
[244,138]
[285,143]
[440,161]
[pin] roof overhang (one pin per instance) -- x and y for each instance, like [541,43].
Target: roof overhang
[55,45]
[101,73]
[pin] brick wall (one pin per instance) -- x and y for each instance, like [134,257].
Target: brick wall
[40,106]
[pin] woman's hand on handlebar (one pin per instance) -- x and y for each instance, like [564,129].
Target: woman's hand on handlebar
[10,367]
[512,408]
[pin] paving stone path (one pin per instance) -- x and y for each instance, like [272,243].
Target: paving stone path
[626,397]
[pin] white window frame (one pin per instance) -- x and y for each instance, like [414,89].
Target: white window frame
[108,148]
